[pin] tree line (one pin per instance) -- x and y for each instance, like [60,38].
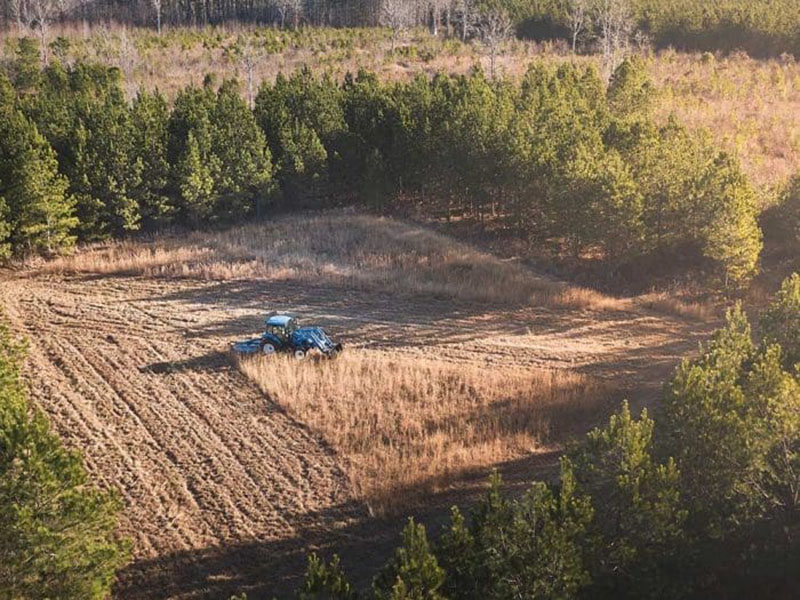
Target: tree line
[568,163]
[702,502]
[761,27]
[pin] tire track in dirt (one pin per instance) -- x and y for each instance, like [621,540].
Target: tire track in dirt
[198,454]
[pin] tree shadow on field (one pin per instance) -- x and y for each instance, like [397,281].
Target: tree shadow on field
[267,569]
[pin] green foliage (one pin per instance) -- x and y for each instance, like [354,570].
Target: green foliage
[325,581]
[413,573]
[780,323]
[56,530]
[84,115]
[630,92]
[150,116]
[223,164]
[703,503]
[789,215]
[577,167]
[730,232]
[27,65]
[242,158]
[639,517]
[37,212]
[527,548]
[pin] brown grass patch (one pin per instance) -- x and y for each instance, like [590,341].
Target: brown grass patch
[339,248]
[406,426]
[667,303]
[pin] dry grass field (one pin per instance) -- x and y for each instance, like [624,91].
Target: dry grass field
[456,362]
[405,427]
[337,248]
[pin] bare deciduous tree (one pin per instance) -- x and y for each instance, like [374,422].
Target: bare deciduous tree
[42,13]
[21,13]
[158,5]
[578,14]
[297,7]
[494,27]
[615,22]
[250,54]
[395,15]
[283,7]
[466,10]
[127,60]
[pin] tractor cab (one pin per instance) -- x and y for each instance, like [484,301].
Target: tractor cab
[282,327]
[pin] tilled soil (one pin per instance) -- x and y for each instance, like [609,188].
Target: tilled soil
[223,491]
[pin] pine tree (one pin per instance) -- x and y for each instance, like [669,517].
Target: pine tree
[5,229]
[84,115]
[196,184]
[39,213]
[413,573]
[150,115]
[27,66]
[527,548]
[731,236]
[639,517]
[56,531]
[325,581]
[630,92]
[189,151]
[781,321]
[242,158]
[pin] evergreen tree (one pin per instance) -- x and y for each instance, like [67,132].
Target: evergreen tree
[27,66]
[56,530]
[150,115]
[85,117]
[413,573]
[731,236]
[528,548]
[638,526]
[190,152]
[242,158]
[325,581]
[5,229]
[630,92]
[781,321]
[196,183]
[38,212]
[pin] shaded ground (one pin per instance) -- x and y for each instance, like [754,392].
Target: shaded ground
[223,491]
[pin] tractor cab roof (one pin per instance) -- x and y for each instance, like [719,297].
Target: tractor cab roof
[279,320]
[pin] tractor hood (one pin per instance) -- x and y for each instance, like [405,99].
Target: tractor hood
[313,337]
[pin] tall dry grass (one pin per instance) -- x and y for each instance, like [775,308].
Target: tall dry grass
[407,426]
[339,248]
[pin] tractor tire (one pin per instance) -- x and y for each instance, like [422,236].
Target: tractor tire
[268,349]
[299,354]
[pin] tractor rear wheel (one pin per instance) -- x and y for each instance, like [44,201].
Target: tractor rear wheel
[268,349]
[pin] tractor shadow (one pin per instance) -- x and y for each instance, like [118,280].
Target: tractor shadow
[213,361]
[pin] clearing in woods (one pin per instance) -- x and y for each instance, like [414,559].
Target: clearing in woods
[222,485]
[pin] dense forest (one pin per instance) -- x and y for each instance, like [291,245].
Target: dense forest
[568,163]
[700,501]
[761,27]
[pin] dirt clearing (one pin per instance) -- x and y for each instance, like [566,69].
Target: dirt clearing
[222,485]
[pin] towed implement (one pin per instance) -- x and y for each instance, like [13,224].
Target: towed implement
[285,334]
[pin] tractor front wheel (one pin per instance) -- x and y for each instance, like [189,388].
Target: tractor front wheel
[268,349]
[299,354]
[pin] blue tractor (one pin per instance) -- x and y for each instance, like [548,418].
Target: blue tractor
[285,334]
